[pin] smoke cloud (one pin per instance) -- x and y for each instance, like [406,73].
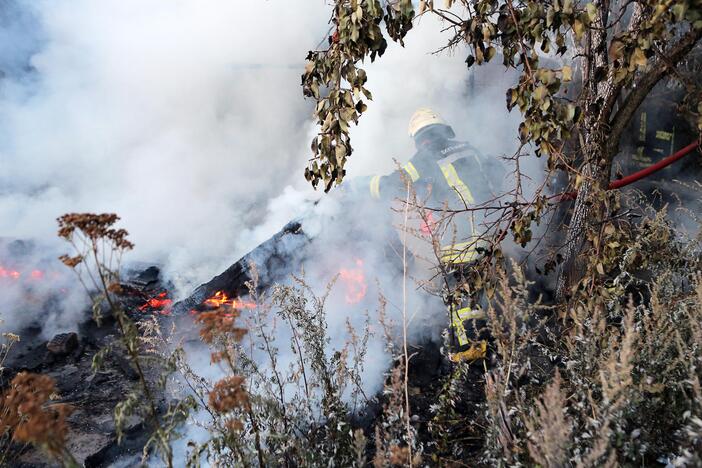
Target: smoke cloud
[187,119]
[183,118]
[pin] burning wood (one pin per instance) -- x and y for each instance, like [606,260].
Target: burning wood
[220,299]
[274,259]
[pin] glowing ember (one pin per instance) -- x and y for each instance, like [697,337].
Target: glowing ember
[16,275]
[355,282]
[7,273]
[37,274]
[160,303]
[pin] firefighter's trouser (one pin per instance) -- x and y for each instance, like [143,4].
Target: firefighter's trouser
[468,331]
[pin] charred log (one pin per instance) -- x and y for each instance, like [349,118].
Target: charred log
[274,260]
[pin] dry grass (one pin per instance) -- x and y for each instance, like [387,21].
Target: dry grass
[611,378]
[549,428]
[625,384]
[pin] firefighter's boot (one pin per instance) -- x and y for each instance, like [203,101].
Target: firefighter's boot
[469,334]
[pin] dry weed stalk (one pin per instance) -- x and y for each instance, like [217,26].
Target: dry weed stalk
[405,355]
[98,248]
[392,442]
[262,413]
[627,355]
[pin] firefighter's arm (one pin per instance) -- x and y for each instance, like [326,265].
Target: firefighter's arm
[377,187]
[385,187]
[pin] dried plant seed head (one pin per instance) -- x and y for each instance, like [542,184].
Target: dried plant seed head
[220,323]
[25,411]
[115,288]
[71,262]
[228,394]
[94,227]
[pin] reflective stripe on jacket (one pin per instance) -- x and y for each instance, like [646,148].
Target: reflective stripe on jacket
[460,252]
[456,183]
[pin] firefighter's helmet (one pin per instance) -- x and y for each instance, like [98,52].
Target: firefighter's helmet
[423,118]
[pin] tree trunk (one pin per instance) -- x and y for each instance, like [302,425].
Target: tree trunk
[603,132]
[589,209]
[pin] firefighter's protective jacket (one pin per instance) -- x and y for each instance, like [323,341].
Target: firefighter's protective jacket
[448,173]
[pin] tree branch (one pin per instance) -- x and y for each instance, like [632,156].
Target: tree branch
[643,86]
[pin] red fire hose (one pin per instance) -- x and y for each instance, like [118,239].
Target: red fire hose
[630,179]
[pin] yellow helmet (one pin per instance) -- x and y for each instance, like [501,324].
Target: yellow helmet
[422,118]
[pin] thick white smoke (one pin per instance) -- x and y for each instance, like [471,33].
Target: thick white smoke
[187,119]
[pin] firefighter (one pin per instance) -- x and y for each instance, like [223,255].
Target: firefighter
[447,172]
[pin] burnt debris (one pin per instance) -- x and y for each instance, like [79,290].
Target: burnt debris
[67,358]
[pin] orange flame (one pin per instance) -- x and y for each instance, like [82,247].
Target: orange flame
[355,281]
[220,299]
[160,303]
